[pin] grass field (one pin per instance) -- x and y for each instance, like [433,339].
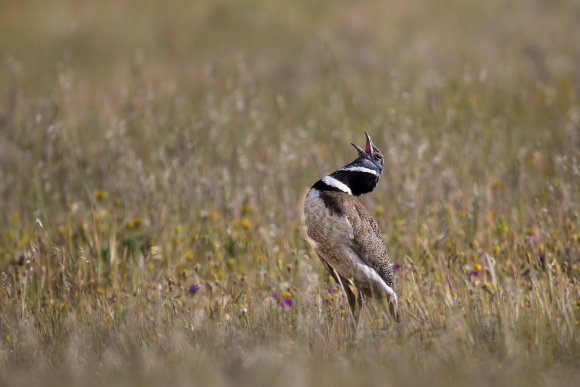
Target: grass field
[154,157]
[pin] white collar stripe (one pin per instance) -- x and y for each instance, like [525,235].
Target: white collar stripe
[359,169]
[331,181]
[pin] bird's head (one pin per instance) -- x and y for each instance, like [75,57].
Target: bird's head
[371,157]
[362,175]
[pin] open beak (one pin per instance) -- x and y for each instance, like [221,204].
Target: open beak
[369,148]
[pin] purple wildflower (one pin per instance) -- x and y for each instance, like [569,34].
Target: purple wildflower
[329,289]
[287,303]
[447,280]
[532,238]
[543,259]
[473,273]
[194,288]
[276,295]
[396,266]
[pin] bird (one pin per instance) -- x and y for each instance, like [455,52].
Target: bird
[344,235]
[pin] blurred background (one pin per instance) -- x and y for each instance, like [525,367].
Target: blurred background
[158,100]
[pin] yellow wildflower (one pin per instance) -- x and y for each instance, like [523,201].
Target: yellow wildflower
[246,223]
[246,209]
[136,222]
[100,195]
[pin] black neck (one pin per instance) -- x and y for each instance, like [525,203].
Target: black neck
[358,182]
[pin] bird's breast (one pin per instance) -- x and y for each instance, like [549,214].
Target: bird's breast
[330,233]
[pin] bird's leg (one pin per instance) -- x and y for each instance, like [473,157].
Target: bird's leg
[350,296]
[352,301]
[394,309]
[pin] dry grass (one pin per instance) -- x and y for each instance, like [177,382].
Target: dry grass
[168,144]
